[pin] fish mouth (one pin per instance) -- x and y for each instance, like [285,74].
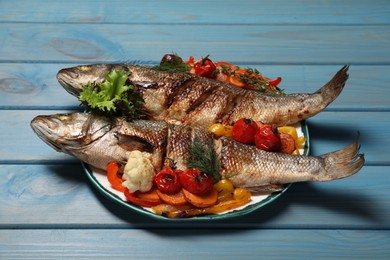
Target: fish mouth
[44,127]
[68,80]
[58,131]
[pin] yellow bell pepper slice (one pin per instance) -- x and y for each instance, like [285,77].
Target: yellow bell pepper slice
[221,130]
[289,130]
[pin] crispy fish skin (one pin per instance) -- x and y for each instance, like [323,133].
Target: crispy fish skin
[185,98]
[99,140]
[265,168]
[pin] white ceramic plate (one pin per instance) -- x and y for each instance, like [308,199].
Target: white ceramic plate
[99,181]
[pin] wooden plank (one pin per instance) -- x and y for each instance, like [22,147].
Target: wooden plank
[333,130]
[20,143]
[49,196]
[193,244]
[307,44]
[195,12]
[49,210]
[328,131]
[34,86]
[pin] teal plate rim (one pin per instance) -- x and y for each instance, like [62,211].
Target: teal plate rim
[235,213]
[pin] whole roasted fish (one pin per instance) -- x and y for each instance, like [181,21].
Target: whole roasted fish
[98,140]
[185,98]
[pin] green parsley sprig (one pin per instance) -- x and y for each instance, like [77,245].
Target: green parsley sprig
[113,96]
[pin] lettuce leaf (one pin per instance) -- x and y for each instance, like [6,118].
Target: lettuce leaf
[113,96]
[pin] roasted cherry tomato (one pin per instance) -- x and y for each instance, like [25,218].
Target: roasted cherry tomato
[203,67]
[171,59]
[196,182]
[244,131]
[113,177]
[167,181]
[287,143]
[266,139]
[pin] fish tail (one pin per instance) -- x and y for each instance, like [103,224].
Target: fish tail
[342,163]
[333,88]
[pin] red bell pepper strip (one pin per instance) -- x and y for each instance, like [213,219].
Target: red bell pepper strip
[113,178]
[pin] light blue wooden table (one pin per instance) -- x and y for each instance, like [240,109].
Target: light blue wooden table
[48,208]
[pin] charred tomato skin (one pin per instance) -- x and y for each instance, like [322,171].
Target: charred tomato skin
[267,139]
[171,59]
[244,131]
[203,67]
[195,181]
[167,181]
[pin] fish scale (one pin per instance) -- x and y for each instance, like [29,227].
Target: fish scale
[97,140]
[185,98]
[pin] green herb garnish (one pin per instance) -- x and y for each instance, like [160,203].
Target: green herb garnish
[204,158]
[113,96]
[254,79]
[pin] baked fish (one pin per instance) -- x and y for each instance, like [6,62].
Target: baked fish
[97,140]
[185,98]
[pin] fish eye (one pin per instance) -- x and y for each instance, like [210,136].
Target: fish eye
[64,117]
[85,68]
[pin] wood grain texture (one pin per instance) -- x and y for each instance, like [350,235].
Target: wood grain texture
[48,196]
[198,12]
[176,244]
[308,44]
[49,210]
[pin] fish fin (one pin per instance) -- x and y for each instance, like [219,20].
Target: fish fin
[132,143]
[333,88]
[342,163]
[266,189]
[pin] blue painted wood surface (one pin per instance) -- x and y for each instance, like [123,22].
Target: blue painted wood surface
[49,210]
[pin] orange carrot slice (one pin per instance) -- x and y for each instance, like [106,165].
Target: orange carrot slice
[176,199]
[202,201]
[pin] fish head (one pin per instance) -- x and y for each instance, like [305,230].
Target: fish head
[74,79]
[73,131]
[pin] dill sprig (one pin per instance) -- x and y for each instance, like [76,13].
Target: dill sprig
[203,157]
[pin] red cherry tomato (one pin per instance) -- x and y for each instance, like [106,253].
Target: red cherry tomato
[244,131]
[167,181]
[202,67]
[113,177]
[196,181]
[171,59]
[266,139]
